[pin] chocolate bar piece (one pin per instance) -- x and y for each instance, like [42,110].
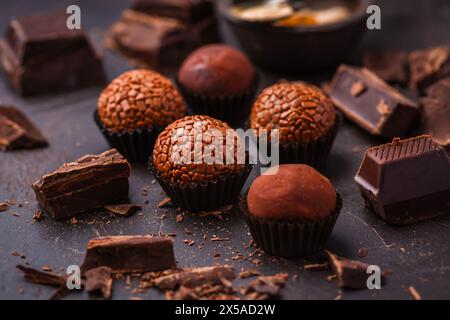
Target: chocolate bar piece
[428,66]
[350,273]
[40,55]
[17,131]
[130,254]
[407,180]
[158,41]
[436,112]
[88,183]
[371,103]
[188,11]
[391,66]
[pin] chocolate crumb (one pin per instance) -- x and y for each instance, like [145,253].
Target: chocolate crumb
[4,206]
[38,215]
[179,218]
[363,252]
[357,88]
[73,220]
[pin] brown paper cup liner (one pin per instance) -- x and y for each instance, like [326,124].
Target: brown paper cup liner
[206,196]
[314,153]
[286,238]
[136,145]
[234,110]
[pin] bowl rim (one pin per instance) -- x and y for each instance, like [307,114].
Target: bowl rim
[357,16]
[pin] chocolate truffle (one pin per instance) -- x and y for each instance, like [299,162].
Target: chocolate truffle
[190,136]
[139,99]
[301,112]
[294,192]
[216,70]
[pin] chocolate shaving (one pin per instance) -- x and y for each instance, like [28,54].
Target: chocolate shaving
[42,277]
[38,215]
[249,273]
[357,88]
[266,287]
[4,206]
[123,210]
[99,280]
[415,294]
[166,202]
[317,266]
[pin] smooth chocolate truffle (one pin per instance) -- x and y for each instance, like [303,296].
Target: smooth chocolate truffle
[216,70]
[139,99]
[201,132]
[301,112]
[294,192]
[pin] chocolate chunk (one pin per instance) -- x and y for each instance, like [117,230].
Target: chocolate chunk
[379,108]
[17,131]
[391,66]
[436,112]
[124,210]
[99,280]
[190,278]
[428,66]
[188,11]
[88,183]
[41,44]
[407,180]
[130,254]
[152,40]
[350,273]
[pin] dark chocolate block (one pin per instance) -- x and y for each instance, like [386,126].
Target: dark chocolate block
[130,254]
[157,41]
[40,55]
[371,103]
[407,180]
[391,66]
[428,66]
[188,11]
[88,183]
[17,131]
[436,112]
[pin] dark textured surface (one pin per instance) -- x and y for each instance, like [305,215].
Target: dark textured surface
[418,255]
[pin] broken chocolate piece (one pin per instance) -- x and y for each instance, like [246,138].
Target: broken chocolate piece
[350,273]
[124,210]
[391,66]
[99,280]
[17,131]
[41,44]
[266,287]
[379,108]
[188,11]
[436,112]
[130,254]
[428,66]
[88,183]
[407,180]
[166,202]
[151,39]
[190,278]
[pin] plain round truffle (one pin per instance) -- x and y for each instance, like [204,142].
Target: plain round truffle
[197,149]
[301,112]
[139,99]
[291,192]
[216,70]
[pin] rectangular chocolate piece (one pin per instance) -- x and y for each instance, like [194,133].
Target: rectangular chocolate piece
[371,103]
[88,183]
[436,112]
[428,66]
[40,55]
[130,254]
[17,131]
[188,11]
[407,180]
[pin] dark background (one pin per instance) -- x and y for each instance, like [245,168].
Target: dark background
[417,255]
